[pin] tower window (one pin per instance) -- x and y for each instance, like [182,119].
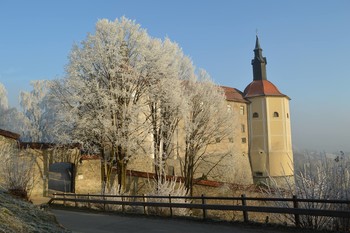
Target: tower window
[275,114]
[241,110]
[230,140]
[255,115]
[287,115]
[244,140]
[171,171]
[258,174]
[242,128]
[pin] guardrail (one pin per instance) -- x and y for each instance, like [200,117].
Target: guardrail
[146,201]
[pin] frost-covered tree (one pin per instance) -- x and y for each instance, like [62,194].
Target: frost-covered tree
[3,106]
[206,121]
[320,177]
[39,112]
[103,95]
[3,97]
[10,118]
[169,68]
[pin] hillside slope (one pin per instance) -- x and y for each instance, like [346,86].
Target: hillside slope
[20,216]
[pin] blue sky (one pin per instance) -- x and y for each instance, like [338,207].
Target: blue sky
[307,45]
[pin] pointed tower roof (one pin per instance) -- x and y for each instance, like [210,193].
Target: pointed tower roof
[257,44]
[260,85]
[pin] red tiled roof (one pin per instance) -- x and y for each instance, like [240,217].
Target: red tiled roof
[9,134]
[90,157]
[261,88]
[211,183]
[233,94]
[45,145]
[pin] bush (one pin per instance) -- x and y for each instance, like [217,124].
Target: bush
[319,178]
[16,171]
[167,187]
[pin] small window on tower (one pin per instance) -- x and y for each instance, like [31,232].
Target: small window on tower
[275,114]
[287,115]
[171,171]
[242,128]
[230,140]
[244,140]
[258,174]
[241,110]
[255,115]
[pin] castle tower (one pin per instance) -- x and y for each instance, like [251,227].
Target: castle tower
[270,143]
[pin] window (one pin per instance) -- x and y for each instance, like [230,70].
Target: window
[171,171]
[244,140]
[242,128]
[275,114]
[255,115]
[229,108]
[287,115]
[230,140]
[241,110]
[258,173]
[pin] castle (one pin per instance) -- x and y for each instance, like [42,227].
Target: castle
[260,146]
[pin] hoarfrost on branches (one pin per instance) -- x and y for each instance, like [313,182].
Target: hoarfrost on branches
[10,119]
[165,100]
[103,97]
[319,178]
[39,113]
[206,121]
[3,97]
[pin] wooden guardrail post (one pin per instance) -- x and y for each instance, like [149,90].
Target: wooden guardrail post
[204,209]
[296,206]
[75,201]
[144,206]
[89,203]
[244,203]
[171,209]
[64,199]
[104,202]
[123,206]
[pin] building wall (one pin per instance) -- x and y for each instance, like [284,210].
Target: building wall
[6,146]
[42,158]
[279,132]
[5,141]
[227,160]
[270,137]
[232,152]
[88,177]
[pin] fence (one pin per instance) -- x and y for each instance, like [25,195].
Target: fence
[201,204]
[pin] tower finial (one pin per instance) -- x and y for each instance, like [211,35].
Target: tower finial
[257,44]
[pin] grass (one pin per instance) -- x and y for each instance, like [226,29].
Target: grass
[18,216]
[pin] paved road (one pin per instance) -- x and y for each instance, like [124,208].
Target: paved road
[102,223]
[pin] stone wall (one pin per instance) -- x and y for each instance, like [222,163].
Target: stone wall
[43,157]
[88,177]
